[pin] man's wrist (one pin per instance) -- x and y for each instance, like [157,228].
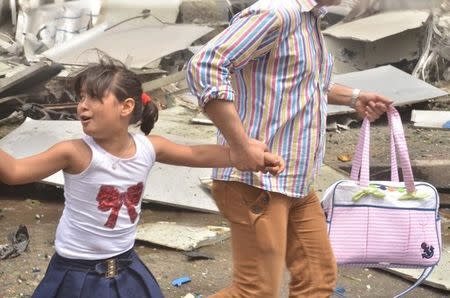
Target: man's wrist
[354,97]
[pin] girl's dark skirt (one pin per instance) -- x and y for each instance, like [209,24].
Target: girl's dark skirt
[123,276]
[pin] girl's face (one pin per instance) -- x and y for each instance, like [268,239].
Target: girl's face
[101,118]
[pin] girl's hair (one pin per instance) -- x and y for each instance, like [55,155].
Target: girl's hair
[110,75]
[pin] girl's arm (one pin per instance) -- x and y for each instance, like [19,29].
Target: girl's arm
[203,156]
[30,169]
[206,156]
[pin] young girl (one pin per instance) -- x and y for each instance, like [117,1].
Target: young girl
[105,174]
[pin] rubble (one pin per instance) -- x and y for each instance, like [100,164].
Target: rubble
[181,237]
[431,119]
[18,243]
[402,88]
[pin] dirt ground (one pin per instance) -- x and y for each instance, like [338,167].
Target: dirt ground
[20,276]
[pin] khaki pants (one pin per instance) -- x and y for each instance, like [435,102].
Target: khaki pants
[270,231]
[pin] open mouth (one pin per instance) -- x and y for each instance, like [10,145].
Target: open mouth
[85,119]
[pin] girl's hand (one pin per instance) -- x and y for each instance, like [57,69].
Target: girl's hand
[274,164]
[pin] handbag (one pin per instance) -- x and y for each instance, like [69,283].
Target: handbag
[384,223]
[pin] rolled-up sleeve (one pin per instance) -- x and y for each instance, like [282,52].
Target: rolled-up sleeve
[249,36]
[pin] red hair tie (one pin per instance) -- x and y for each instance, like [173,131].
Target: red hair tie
[145,98]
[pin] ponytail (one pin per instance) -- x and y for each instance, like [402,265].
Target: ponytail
[149,117]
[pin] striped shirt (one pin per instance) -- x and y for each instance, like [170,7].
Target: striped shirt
[271,61]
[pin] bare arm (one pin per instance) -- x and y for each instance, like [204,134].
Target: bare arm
[368,104]
[30,169]
[204,156]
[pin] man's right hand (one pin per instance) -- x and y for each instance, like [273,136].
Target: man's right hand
[249,156]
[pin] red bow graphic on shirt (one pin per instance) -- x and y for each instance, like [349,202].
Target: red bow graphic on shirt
[109,198]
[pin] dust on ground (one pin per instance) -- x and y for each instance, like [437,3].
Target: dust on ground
[20,276]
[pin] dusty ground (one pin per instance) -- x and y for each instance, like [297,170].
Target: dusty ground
[423,144]
[19,276]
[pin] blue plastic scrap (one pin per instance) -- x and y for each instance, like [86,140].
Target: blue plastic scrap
[177,282]
[340,292]
[446,125]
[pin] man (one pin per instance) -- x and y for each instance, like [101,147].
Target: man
[266,77]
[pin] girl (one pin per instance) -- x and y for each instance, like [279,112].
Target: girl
[105,174]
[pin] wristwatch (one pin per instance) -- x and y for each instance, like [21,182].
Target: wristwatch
[355,94]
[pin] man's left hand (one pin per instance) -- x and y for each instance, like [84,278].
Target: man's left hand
[371,105]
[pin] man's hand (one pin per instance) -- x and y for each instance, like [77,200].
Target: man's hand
[274,163]
[249,157]
[372,105]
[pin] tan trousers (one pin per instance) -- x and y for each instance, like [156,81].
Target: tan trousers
[270,231]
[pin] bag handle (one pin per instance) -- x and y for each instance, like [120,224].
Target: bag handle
[360,169]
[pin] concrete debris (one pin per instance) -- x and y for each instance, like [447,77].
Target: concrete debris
[195,255]
[181,237]
[65,31]
[18,243]
[438,278]
[380,39]
[434,63]
[14,118]
[33,75]
[164,81]
[403,88]
[79,50]
[363,8]
[436,171]
[431,119]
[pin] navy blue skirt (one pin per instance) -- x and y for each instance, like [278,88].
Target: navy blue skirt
[68,278]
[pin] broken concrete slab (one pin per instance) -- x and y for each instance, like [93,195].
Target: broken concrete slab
[386,24]
[164,81]
[380,39]
[402,88]
[436,172]
[128,43]
[438,278]
[160,185]
[114,11]
[31,76]
[181,237]
[431,119]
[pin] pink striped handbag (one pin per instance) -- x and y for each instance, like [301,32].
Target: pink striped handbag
[384,223]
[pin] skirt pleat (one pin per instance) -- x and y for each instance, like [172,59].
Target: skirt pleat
[66,278]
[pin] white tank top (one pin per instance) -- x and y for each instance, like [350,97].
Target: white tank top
[103,203]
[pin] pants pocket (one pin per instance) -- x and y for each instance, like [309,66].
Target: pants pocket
[240,203]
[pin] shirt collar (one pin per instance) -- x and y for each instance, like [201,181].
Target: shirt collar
[306,5]
[311,6]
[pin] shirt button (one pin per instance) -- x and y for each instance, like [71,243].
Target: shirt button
[265,198]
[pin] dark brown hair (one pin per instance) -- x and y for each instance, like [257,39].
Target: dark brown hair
[110,75]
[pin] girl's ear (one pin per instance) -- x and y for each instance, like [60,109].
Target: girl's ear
[128,107]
